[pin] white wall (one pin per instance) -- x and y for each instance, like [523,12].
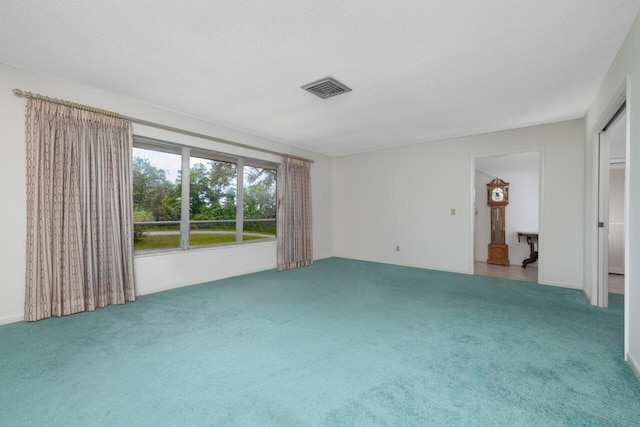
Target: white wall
[622,81]
[521,171]
[151,272]
[403,197]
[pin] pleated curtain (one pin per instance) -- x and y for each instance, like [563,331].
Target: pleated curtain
[293,214]
[79,210]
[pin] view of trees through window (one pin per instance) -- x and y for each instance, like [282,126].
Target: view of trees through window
[213,196]
[259,201]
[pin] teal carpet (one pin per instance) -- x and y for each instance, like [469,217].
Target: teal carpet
[339,343]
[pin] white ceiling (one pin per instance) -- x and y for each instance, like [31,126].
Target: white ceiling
[420,70]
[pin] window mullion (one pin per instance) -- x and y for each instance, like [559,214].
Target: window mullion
[158,192]
[239,199]
[184,206]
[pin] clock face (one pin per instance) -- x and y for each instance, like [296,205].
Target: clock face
[497,194]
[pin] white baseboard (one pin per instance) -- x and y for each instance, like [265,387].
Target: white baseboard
[588,297]
[382,261]
[634,366]
[20,317]
[11,319]
[563,285]
[402,264]
[224,276]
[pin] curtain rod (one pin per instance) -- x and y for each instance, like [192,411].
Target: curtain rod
[26,94]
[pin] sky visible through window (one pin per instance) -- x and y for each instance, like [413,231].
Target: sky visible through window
[168,162]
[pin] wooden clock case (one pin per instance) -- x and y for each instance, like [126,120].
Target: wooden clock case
[498,252]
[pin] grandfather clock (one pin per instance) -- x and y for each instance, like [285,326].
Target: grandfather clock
[498,199]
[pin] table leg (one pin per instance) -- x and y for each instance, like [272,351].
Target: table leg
[533,254]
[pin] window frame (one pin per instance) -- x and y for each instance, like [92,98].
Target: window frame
[187,152]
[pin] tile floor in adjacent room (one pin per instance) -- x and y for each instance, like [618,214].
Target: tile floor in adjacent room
[616,284]
[530,274]
[513,272]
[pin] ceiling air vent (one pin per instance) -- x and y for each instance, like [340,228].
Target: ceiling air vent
[326,88]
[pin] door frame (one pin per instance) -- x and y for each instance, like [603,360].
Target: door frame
[602,218]
[600,179]
[472,205]
[592,257]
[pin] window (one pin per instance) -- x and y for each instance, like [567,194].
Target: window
[259,203]
[156,198]
[212,201]
[230,199]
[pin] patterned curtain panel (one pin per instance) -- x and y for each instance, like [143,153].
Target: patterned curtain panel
[293,215]
[79,210]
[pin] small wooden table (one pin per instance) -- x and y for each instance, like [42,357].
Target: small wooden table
[532,239]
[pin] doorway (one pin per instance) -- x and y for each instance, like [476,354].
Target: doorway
[522,171]
[611,208]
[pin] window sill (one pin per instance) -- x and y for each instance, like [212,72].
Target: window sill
[178,251]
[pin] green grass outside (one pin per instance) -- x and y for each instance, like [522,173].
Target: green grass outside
[173,240]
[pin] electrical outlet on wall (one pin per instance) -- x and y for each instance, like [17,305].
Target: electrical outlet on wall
[453,211]
[397,248]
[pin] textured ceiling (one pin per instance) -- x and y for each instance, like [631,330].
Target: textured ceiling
[420,70]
